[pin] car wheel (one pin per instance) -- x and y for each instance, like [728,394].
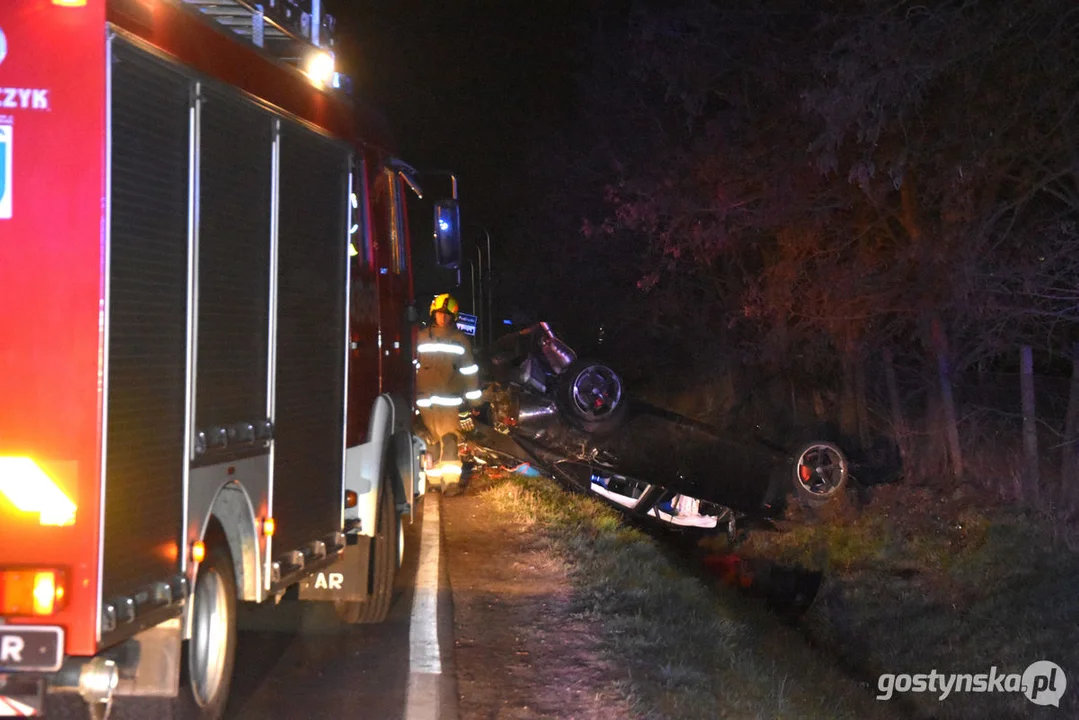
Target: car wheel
[820,473]
[592,396]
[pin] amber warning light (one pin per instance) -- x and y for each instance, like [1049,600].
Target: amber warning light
[69,3]
[33,591]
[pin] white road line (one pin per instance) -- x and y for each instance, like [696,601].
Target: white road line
[425,661]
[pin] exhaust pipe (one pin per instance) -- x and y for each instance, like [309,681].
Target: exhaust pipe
[531,409]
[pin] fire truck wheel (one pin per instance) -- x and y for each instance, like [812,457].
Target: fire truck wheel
[209,655]
[383,568]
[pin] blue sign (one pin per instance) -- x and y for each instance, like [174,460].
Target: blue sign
[466,323]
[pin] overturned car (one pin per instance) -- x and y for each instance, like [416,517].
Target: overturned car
[572,418]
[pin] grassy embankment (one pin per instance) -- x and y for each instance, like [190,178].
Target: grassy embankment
[921,578]
[917,582]
[685,649]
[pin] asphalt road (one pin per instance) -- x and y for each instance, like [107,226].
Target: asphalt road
[297,660]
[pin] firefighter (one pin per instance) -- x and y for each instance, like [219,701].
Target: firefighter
[447,388]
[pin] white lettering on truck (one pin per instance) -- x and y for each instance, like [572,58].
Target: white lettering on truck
[24,98]
[11,648]
[334,583]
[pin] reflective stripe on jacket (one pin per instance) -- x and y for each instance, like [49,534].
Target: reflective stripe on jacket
[448,375]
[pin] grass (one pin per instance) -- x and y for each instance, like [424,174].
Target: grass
[916,582]
[685,648]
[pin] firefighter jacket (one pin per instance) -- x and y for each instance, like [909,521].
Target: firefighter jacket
[448,375]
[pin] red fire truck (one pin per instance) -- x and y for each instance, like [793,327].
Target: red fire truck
[206,342]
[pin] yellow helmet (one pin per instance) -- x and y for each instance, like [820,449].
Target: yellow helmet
[446,303]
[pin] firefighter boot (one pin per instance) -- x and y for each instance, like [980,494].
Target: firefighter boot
[450,465]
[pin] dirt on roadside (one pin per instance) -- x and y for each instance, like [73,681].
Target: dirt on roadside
[519,651]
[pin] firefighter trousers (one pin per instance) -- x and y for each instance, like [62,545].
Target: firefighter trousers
[444,458]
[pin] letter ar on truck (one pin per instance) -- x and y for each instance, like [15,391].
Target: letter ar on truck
[206,343]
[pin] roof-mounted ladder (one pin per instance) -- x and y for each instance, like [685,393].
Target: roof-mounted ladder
[290,30]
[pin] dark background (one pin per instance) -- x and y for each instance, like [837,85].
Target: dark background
[469,87]
[860,211]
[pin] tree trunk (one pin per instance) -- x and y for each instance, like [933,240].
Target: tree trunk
[861,404]
[795,419]
[848,405]
[898,425]
[932,454]
[951,417]
[1069,491]
[1031,480]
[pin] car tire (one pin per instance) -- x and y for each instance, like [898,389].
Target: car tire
[820,473]
[585,379]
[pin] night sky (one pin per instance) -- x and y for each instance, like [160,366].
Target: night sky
[466,87]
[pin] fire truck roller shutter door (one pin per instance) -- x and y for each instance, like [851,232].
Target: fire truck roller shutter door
[311,335]
[147,319]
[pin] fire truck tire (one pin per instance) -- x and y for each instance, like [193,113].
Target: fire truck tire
[383,568]
[210,655]
[218,591]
